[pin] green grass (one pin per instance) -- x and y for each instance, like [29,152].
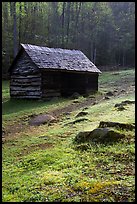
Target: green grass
[42,164]
[5,90]
[115,76]
[21,107]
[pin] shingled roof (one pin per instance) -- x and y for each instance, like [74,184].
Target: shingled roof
[57,58]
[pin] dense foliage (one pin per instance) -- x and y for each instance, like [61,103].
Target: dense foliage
[104,31]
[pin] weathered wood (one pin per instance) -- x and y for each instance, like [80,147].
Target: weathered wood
[28,88]
[25,80]
[34,93]
[25,77]
[28,80]
[24,65]
[51,95]
[34,84]
[51,84]
[28,97]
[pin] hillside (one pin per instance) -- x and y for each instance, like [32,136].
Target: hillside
[43,163]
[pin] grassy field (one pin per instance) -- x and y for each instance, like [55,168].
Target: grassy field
[43,164]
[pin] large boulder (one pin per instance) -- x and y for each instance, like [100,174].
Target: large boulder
[42,119]
[100,135]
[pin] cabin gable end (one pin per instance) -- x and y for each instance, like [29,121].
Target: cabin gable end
[23,65]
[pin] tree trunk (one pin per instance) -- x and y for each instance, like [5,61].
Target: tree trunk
[63,19]
[55,23]
[20,9]
[94,55]
[11,10]
[68,20]
[123,59]
[77,22]
[14,30]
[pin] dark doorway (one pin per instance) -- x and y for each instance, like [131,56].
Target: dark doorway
[72,82]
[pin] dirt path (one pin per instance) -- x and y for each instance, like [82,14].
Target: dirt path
[124,90]
[76,104]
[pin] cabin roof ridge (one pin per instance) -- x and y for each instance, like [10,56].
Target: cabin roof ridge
[59,58]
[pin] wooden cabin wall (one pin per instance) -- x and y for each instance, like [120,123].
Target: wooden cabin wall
[51,84]
[91,82]
[78,82]
[73,82]
[25,80]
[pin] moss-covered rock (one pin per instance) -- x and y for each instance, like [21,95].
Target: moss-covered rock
[126,126]
[101,135]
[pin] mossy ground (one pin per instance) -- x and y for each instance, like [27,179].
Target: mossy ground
[43,164]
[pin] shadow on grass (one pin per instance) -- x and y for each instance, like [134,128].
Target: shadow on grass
[17,105]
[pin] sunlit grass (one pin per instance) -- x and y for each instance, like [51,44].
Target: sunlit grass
[42,164]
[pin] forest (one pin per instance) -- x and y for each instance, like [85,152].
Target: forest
[103,31]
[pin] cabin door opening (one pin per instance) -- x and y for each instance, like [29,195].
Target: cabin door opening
[72,82]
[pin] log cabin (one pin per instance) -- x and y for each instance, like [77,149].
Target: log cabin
[43,72]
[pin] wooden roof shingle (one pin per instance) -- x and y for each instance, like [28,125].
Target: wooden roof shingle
[57,58]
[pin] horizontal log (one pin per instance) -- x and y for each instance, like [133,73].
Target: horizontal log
[26,80]
[30,97]
[25,71]
[28,88]
[25,77]
[24,84]
[37,93]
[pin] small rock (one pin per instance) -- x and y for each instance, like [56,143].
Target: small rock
[122,91]
[77,121]
[76,101]
[82,113]
[117,105]
[75,95]
[85,108]
[121,108]
[94,103]
[66,113]
[106,97]
[109,93]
